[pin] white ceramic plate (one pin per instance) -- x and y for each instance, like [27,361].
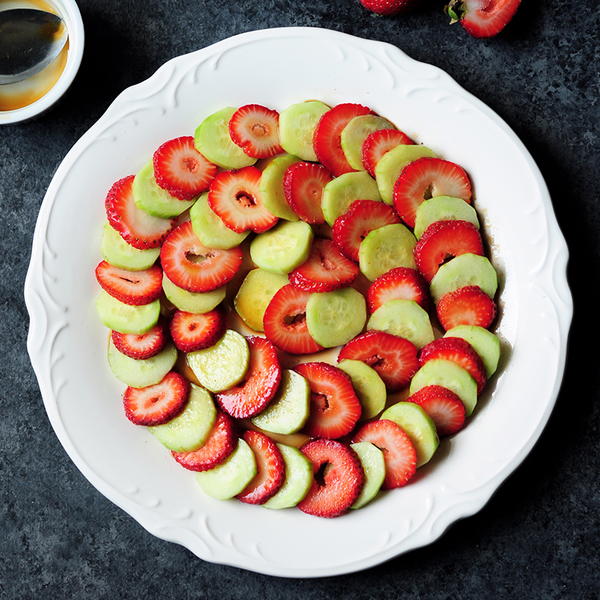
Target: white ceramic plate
[67,344]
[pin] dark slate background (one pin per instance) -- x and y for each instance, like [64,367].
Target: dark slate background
[537,537]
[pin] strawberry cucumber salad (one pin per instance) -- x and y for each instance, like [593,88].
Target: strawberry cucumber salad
[326,231]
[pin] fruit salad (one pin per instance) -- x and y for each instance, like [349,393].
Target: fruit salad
[299,304]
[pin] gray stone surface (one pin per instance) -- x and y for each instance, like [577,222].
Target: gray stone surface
[537,537]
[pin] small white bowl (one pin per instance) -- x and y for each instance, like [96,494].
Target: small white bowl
[69,11]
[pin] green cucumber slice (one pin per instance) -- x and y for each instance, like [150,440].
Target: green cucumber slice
[125,318]
[385,248]
[356,132]
[373,464]
[212,139]
[229,478]
[189,430]
[419,427]
[484,342]
[117,252]
[449,375]
[443,208]
[271,187]
[334,318]
[463,270]
[297,125]
[223,365]
[368,386]
[390,166]
[193,302]
[342,191]
[298,479]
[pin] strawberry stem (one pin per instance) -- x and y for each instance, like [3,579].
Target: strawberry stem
[456,10]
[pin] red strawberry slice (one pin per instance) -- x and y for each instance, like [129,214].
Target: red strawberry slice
[130,287]
[468,305]
[351,228]
[327,137]
[140,346]
[326,269]
[235,197]
[425,178]
[181,170]
[334,405]
[260,384]
[255,129]
[444,240]
[380,142]
[303,185]
[443,406]
[136,227]
[338,478]
[400,283]
[285,321]
[159,403]
[483,18]
[458,351]
[270,473]
[192,331]
[393,357]
[218,446]
[194,267]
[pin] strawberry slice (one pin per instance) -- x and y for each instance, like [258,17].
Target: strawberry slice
[194,267]
[326,269]
[234,196]
[425,178]
[255,129]
[351,228]
[130,287]
[181,170]
[327,137]
[270,469]
[400,283]
[285,321]
[192,331]
[140,346]
[260,384]
[458,351]
[338,478]
[443,406]
[334,405]
[158,403]
[303,185]
[399,452]
[218,446]
[483,18]
[468,305]
[380,142]
[394,358]
[136,227]
[444,240]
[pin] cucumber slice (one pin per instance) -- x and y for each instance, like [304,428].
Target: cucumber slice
[223,365]
[229,478]
[189,430]
[449,375]
[117,252]
[334,318]
[419,427]
[209,228]
[212,139]
[144,372]
[385,248]
[298,479]
[193,302]
[484,342]
[443,208]
[271,187]
[463,270]
[356,132]
[369,387]
[390,166]
[373,464]
[297,125]
[254,295]
[283,248]
[342,191]
[151,198]
[404,318]
[126,318]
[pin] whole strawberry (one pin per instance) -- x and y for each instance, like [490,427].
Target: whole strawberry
[387,7]
[482,18]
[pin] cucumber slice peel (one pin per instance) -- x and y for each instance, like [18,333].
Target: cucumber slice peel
[209,228]
[356,132]
[369,387]
[373,464]
[298,479]
[443,208]
[484,342]
[342,191]
[297,125]
[125,318]
[193,302]
[271,187]
[117,252]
